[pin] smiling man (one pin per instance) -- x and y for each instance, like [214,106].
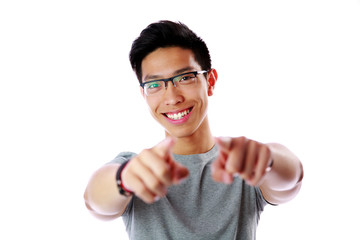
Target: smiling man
[191,185]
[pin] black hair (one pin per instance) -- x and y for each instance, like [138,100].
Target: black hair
[167,34]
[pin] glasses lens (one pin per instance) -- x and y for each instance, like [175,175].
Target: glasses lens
[153,87]
[185,79]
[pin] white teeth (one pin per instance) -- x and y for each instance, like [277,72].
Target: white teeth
[179,115]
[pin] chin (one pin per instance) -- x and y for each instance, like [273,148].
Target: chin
[179,133]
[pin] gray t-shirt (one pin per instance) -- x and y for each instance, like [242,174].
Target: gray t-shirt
[198,208]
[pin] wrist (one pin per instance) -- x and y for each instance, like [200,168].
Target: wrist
[119,182]
[270,165]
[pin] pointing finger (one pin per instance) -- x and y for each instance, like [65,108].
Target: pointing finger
[164,148]
[224,143]
[218,171]
[156,165]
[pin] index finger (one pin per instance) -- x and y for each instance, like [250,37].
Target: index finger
[224,144]
[164,148]
[218,171]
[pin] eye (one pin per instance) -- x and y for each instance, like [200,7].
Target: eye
[184,78]
[187,78]
[153,85]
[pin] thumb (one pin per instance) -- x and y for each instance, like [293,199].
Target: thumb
[164,148]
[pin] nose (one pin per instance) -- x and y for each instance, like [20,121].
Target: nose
[172,95]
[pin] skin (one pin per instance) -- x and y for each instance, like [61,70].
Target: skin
[153,170]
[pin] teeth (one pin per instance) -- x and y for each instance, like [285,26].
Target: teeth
[179,115]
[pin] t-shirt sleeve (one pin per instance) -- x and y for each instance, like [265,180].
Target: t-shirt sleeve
[122,157]
[260,200]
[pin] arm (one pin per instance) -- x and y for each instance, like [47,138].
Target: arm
[102,196]
[283,182]
[147,175]
[251,159]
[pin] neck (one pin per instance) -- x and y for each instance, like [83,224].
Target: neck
[201,141]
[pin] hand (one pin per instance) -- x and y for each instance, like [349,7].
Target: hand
[150,173]
[241,156]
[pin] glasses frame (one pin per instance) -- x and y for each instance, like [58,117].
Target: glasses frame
[166,80]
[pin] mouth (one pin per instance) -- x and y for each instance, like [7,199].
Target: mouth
[178,115]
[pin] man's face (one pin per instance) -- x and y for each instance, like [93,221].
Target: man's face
[180,112]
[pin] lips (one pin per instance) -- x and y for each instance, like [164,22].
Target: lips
[178,115]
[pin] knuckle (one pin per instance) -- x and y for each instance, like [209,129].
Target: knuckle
[216,177]
[215,166]
[259,175]
[134,162]
[253,144]
[249,173]
[155,184]
[231,167]
[144,152]
[133,166]
[148,199]
[140,190]
[245,176]
[240,141]
[163,171]
[265,149]
[258,180]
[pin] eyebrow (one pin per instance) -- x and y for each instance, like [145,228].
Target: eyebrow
[159,77]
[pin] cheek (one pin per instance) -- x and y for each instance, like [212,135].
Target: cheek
[153,105]
[202,96]
[201,99]
[199,92]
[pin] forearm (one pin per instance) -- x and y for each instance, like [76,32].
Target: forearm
[102,195]
[283,182]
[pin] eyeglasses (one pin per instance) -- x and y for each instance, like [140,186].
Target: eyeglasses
[181,81]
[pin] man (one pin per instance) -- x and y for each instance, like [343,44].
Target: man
[191,185]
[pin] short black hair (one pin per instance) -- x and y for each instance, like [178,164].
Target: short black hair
[167,34]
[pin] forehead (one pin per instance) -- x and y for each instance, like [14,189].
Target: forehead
[166,62]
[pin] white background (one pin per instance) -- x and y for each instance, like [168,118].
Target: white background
[69,102]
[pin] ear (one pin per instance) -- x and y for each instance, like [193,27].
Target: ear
[212,78]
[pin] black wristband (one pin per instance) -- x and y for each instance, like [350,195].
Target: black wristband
[122,190]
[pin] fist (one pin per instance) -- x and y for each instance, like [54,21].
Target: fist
[241,157]
[150,173]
